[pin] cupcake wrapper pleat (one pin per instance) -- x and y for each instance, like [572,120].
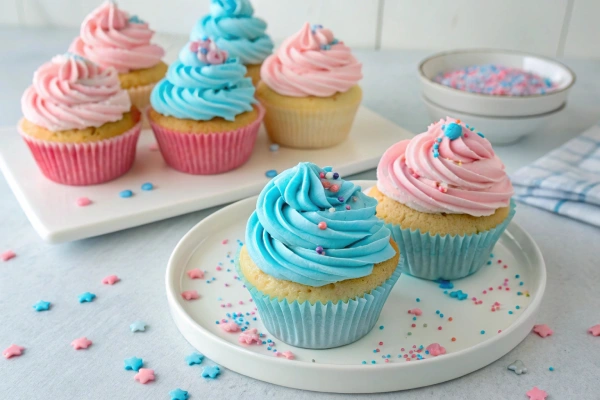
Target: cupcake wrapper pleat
[319,325]
[207,153]
[306,128]
[87,163]
[446,257]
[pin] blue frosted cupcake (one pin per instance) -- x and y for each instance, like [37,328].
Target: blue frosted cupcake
[203,113]
[231,24]
[317,261]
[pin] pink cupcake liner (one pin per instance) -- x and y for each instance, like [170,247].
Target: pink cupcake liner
[207,153]
[80,164]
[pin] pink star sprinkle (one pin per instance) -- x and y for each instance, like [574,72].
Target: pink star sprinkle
[537,394]
[81,343]
[110,280]
[195,273]
[144,375]
[287,354]
[595,330]
[249,336]
[435,349]
[230,326]
[83,201]
[415,311]
[7,255]
[13,351]
[543,330]
[190,295]
[225,241]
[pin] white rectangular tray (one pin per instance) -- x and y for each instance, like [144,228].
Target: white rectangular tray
[52,210]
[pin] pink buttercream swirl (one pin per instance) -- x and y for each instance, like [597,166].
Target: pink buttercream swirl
[311,63]
[71,92]
[111,38]
[433,173]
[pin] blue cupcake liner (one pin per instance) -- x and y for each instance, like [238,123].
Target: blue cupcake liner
[319,325]
[446,257]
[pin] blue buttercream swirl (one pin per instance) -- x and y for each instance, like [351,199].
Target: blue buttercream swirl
[195,90]
[282,235]
[230,23]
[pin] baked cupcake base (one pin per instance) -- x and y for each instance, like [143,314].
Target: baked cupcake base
[206,147]
[309,122]
[441,246]
[319,317]
[87,156]
[253,71]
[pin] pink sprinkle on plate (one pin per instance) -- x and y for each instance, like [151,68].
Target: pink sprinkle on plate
[83,201]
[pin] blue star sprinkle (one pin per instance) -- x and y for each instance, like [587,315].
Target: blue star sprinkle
[138,326]
[458,294]
[41,306]
[178,394]
[133,364]
[445,284]
[211,371]
[194,358]
[86,297]
[453,131]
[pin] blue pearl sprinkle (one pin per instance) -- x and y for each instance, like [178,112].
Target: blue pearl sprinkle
[480,134]
[453,131]
[482,332]
[126,194]
[271,173]
[439,140]
[203,51]
[147,186]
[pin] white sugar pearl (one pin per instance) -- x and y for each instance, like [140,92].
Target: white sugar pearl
[332,209]
[329,175]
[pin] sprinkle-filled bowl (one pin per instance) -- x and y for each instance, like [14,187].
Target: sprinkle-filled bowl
[494,105]
[498,130]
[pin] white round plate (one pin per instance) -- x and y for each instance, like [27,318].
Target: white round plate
[481,335]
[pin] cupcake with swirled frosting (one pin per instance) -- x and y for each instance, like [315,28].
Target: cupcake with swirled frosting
[111,37]
[235,29]
[78,123]
[446,198]
[309,87]
[203,113]
[318,262]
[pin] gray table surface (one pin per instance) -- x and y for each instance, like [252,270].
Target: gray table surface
[51,369]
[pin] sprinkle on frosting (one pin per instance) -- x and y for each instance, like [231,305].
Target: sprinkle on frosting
[111,38]
[285,240]
[231,24]
[311,63]
[202,84]
[70,92]
[445,170]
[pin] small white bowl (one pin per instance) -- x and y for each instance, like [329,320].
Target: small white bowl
[494,105]
[498,130]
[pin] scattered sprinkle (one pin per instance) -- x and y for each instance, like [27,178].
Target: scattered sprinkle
[110,280]
[274,147]
[196,273]
[144,375]
[41,306]
[133,364]
[518,367]
[147,186]
[542,330]
[178,394]
[81,343]
[7,255]
[138,326]
[211,371]
[86,297]
[271,173]
[194,358]
[126,194]
[190,295]
[83,201]
[13,351]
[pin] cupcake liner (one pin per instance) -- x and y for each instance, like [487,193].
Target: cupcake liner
[319,325]
[140,97]
[207,153]
[89,163]
[307,128]
[446,257]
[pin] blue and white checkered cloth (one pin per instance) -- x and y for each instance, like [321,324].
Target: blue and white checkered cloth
[566,181]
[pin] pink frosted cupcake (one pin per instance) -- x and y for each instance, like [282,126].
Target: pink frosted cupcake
[310,90]
[78,123]
[204,114]
[111,37]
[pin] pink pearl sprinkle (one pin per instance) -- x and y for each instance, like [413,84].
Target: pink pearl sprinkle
[222,305]
[381,343]
[240,302]
[410,352]
[402,349]
[414,346]
[321,175]
[326,184]
[83,201]
[485,292]
[225,241]
[322,225]
[387,360]
[473,298]
[227,285]
[219,268]
[228,304]
[466,134]
[499,330]
[347,207]
[334,188]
